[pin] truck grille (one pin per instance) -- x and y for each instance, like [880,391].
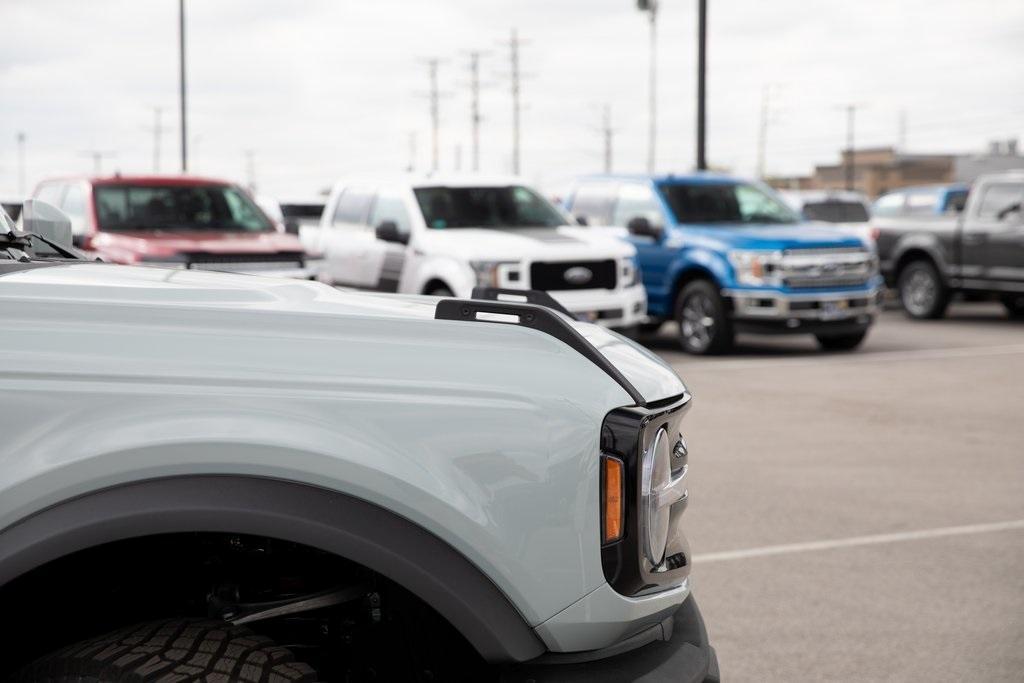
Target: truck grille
[245,263]
[812,268]
[573,275]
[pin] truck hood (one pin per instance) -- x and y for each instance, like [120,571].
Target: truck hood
[524,244]
[271,305]
[773,237]
[135,245]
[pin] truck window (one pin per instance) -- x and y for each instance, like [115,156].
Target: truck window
[637,201]
[836,211]
[594,203]
[486,207]
[999,200]
[956,200]
[889,204]
[922,202]
[390,208]
[51,193]
[124,206]
[724,203]
[353,206]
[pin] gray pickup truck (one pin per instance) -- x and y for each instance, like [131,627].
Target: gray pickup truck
[979,253]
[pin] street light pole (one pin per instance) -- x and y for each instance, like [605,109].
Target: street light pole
[651,7]
[181,65]
[702,30]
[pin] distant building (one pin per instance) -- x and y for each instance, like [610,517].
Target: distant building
[880,169]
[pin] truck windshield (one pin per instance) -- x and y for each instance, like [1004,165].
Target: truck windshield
[836,211]
[177,207]
[724,203]
[486,207]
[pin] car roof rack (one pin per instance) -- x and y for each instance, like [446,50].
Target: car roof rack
[528,296]
[538,318]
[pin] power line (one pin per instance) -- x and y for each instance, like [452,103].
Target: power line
[433,97]
[607,135]
[474,105]
[849,164]
[515,78]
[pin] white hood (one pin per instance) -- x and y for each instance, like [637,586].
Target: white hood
[524,244]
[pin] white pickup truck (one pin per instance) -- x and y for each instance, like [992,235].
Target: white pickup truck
[447,236]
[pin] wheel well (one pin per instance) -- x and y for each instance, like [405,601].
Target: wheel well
[911,255]
[690,275]
[222,576]
[331,522]
[434,284]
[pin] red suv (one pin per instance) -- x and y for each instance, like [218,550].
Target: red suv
[176,222]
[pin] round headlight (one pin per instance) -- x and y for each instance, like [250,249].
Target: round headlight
[656,472]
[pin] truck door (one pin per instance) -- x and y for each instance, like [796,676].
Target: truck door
[348,241]
[638,200]
[993,236]
[388,259]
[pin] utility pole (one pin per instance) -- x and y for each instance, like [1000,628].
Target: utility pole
[21,163]
[158,132]
[651,7]
[181,82]
[702,31]
[762,137]
[474,105]
[607,133]
[411,168]
[250,170]
[97,159]
[514,76]
[849,163]
[435,123]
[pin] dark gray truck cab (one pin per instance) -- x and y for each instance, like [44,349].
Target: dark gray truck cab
[979,253]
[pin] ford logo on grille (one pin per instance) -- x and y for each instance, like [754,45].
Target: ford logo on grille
[578,275]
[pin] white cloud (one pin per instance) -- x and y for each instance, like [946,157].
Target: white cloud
[322,88]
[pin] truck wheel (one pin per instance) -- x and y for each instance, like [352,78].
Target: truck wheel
[704,326]
[440,290]
[841,342]
[1014,305]
[173,650]
[922,291]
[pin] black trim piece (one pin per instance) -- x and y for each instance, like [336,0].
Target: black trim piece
[804,326]
[538,318]
[334,522]
[532,296]
[622,436]
[676,650]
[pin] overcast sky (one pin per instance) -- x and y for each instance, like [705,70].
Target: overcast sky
[322,88]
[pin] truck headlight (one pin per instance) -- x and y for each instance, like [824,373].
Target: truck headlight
[630,273]
[488,272]
[656,472]
[757,268]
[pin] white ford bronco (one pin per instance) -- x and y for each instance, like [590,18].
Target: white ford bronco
[208,476]
[445,236]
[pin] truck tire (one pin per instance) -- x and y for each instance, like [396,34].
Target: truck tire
[171,650]
[440,290]
[704,325]
[841,342]
[1014,304]
[923,294]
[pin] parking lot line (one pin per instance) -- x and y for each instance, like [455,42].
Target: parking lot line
[884,356]
[810,546]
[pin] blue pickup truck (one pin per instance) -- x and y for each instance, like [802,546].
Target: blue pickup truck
[721,256]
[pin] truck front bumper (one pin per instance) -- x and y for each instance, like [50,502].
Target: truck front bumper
[610,308]
[676,650]
[771,311]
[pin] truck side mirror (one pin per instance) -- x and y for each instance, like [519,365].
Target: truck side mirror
[46,220]
[581,219]
[291,226]
[641,226]
[388,231]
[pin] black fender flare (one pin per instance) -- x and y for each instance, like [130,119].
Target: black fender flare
[333,522]
[925,243]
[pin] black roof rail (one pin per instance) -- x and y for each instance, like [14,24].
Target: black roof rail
[538,318]
[530,296]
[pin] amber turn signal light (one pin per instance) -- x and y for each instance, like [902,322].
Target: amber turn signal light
[611,499]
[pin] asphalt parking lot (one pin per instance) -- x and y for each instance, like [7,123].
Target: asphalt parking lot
[861,516]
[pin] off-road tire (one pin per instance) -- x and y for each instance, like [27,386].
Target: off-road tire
[168,652]
[701,298]
[923,294]
[841,342]
[440,290]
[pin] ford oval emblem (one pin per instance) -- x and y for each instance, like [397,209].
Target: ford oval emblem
[578,275]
